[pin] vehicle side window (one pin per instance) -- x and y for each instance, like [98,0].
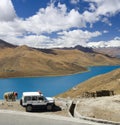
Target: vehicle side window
[41,98]
[27,98]
[34,98]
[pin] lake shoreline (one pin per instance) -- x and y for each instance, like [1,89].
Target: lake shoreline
[79,72]
[51,86]
[46,75]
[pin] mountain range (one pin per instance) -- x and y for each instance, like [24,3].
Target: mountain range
[111,51]
[22,61]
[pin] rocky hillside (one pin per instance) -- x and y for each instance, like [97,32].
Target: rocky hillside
[109,81]
[25,61]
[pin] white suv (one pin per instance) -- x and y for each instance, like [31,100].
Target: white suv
[32,100]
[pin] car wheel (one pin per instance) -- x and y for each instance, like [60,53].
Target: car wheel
[49,107]
[29,108]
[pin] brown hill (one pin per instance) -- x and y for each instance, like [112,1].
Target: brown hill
[109,81]
[25,61]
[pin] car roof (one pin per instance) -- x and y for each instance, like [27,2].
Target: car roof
[32,94]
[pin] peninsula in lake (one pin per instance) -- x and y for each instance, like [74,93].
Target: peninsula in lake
[23,61]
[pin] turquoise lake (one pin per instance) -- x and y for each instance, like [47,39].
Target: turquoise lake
[50,86]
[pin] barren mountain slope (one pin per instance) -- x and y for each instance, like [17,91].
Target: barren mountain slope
[109,81]
[26,61]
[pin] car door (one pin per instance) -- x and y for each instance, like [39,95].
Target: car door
[34,100]
[42,100]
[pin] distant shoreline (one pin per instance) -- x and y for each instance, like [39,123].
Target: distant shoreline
[87,70]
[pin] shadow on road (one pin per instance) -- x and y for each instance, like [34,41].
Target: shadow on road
[43,109]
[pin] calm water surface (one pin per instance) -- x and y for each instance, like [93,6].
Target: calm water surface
[50,86]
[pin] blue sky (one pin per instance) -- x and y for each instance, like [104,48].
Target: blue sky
[60,23]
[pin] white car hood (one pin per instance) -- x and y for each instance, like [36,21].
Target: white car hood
[50,99]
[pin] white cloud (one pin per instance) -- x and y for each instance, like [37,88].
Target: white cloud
[97,44]
[7,12]
[74,1]
[105,20]
[37,41]
[90,17]
[99,8]
[74,37]
[108,7]
[92,7]
[105,31]
[64,39]
[111,43]
[55,19]
[46,20]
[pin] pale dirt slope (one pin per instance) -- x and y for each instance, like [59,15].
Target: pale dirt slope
[107,108]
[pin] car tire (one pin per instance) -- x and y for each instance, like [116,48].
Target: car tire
[49,107]
[29,108]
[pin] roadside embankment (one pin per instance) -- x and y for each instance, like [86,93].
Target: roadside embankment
[106,108]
